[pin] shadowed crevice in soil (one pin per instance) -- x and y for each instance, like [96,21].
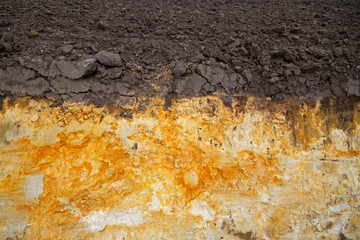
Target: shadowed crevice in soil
[105,50]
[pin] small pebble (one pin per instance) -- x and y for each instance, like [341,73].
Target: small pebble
[34,117]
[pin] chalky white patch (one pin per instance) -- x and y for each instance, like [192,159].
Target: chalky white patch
[96,221]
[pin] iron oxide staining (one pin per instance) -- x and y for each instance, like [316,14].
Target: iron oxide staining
[187,165]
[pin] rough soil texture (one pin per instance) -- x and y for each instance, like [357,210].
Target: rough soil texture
[251,170]
[100,50]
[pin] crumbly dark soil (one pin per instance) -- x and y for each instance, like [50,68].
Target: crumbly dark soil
[274,48]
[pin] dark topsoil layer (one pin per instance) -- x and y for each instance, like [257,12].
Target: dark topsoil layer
[101,50]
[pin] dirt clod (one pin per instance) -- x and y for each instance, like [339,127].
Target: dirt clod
[109,59]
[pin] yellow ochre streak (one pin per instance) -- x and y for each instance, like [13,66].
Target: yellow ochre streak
[204,168]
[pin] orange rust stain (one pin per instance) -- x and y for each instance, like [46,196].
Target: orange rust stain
[69,175]
[350,153]
[83,173]
[86,172]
